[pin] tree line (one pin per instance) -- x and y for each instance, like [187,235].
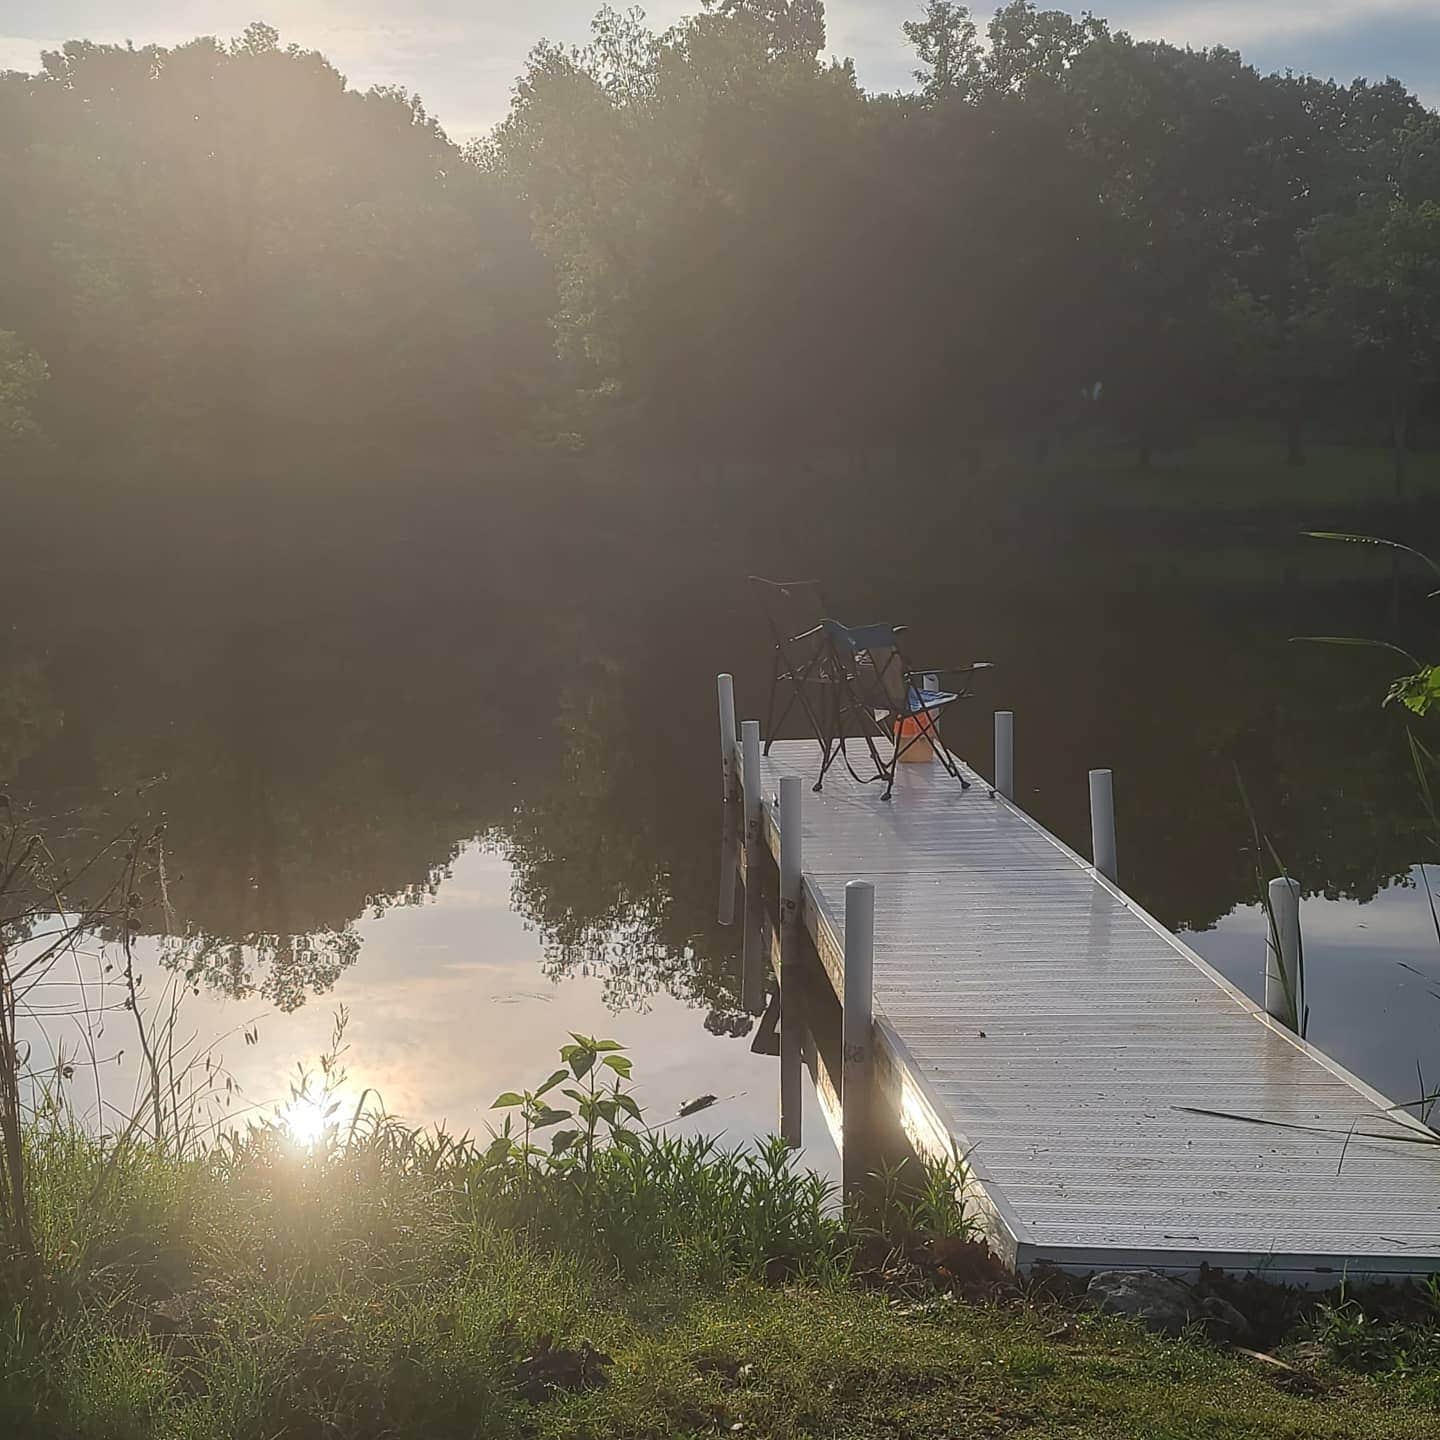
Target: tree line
[710,240]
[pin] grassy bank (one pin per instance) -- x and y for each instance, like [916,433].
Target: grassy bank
[1232,472]
[388,1284]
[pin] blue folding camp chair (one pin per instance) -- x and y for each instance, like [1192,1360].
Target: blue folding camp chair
[793,611]
[892,705]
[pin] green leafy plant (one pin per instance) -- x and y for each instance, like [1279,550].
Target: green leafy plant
[914,1198]
[608,1183]
[1352,1337]
[603,1107]
[1419,689]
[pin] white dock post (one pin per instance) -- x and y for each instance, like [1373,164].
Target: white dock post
[750,752]
[791,1059]
[729,858]
[789,852]
[1284,978]
[1102,824]
[857,1028]
[753,964]
[1005,753]
[725,687]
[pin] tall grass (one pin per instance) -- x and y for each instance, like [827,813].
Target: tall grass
[381,1280]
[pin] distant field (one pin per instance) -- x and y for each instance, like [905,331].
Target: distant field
[1234,473]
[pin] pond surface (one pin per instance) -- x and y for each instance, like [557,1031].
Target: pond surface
[478,808]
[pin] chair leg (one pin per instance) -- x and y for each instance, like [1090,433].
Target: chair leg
[824,766]
[832,743]
[894,767]
[931,730]
[770,706]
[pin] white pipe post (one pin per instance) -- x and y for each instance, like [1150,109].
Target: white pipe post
[750,761]
[791,1059]
[729,862]
[857,1030]
[753,963]
[1005,753]
[1284,978]
[1102,823]
[789,852]
[725,688]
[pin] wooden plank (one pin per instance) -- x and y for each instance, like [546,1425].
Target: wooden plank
[1031,1017]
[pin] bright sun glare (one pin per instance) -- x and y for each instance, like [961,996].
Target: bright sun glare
[306,1119]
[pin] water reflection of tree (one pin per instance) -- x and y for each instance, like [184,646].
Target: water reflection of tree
[284,970]
[317,772]
[1179,691]
[298,788]
[608,858]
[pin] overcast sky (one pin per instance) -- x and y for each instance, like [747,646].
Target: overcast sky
[463,55]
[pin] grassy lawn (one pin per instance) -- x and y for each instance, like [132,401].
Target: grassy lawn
[380,1289]
[1232,473]
[439,1355]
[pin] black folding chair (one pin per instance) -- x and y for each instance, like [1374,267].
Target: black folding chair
[893,705]
[793,611]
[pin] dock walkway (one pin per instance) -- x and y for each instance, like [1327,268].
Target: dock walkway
[1031,1017]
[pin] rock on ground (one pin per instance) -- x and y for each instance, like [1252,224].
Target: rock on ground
[1165,1305]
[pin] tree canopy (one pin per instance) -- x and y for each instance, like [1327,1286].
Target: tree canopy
[710,240]
[217,237]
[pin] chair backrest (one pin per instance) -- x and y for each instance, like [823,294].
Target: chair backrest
[872,658]
[792,607]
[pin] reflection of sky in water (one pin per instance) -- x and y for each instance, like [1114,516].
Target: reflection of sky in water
[447,1008]
[1367,1010]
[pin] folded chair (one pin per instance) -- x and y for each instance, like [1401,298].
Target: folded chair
[793,611]
[893,706]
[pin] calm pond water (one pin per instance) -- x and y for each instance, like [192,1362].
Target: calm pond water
[480,813]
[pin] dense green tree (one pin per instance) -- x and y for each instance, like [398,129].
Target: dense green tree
[946,44]
[692,288]
[1032,48]
[792,28]
[1378,298]
[705,247]
[221,237]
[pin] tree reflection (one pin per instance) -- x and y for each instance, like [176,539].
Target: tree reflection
[296,791]
[310,775]
[602,868]
[284,970]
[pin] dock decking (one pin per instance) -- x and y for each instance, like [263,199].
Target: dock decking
[1031,1017]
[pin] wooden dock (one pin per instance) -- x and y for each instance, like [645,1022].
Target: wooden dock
[1030,1017]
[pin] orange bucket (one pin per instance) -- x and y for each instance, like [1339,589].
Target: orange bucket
[915,746]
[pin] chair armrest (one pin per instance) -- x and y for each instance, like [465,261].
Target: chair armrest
[953,669]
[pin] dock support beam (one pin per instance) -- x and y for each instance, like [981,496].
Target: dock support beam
[1005,753]
[791,1022]
[753,964]
[857,1037]
[1102,824]
[1284,973]
[725,687]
